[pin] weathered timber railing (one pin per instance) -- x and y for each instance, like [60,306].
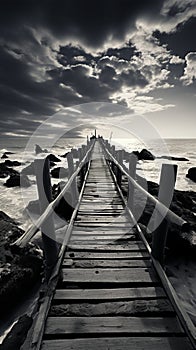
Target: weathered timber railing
[47,207]
[166,188]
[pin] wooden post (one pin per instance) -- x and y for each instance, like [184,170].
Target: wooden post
[120,161]
[166,189]
[113,152]
[132,173]
[74,191]
[84,149]
[42,172]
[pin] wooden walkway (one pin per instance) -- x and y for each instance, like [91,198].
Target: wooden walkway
[109,295]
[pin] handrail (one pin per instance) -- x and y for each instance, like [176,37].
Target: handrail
[162,209]
[34,228]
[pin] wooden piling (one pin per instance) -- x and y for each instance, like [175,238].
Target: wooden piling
[119,173]
[74,190]
[132,173]
[166,189]
[42,172]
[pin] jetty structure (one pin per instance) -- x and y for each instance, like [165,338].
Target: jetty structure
[105,287]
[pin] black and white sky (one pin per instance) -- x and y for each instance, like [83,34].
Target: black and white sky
[136,53]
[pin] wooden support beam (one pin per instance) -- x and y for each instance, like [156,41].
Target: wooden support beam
[74,190]
[119,173]
[42,172]
[113,152]
[166,189]
[132,173]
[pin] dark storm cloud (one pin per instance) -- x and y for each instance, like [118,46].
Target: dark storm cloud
[181,41]
[89,21]
[52,54]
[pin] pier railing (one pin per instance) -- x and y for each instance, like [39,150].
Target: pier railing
[47,205]
[163,215]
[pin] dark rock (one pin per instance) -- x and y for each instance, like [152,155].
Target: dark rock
[192,174]
[52,164]
[17,336]
[64,155]
[21,267]
[59,172]
[53,158]
[12,163]
[18,180]
[38,150]
[6,171]
[7,218]
[146,155]
[4,156]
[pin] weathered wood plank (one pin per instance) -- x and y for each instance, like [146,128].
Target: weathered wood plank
[112,325]
[102,219]
[103,232]
[99,242]
[109,275]
[106,237]
[109,247]
[106,263]
[148,308]
[122,343]
[109,294]
[109,225]
[109,255]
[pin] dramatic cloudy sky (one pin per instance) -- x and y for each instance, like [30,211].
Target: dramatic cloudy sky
[137,53]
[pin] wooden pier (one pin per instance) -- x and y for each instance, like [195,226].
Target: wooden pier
[107,290]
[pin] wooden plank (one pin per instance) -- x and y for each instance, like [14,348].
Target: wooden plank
[109,294]
[122,343]
[103,232]
[109,247]
[98,212]
[103,225]
[107,255]
[109,275]
[94,243]
[112,325]
[106,237]
[102,219]
[148,308]
[106,263]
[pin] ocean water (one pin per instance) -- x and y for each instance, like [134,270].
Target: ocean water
[14,200]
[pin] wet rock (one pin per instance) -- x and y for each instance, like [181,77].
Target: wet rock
[4,156]
[17,336]
[64,155]
[59,172]
[146,155]
[6,171]
[192,174]
[18,180]
[53,158]
[12,163]
[20,267]
[38,150]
